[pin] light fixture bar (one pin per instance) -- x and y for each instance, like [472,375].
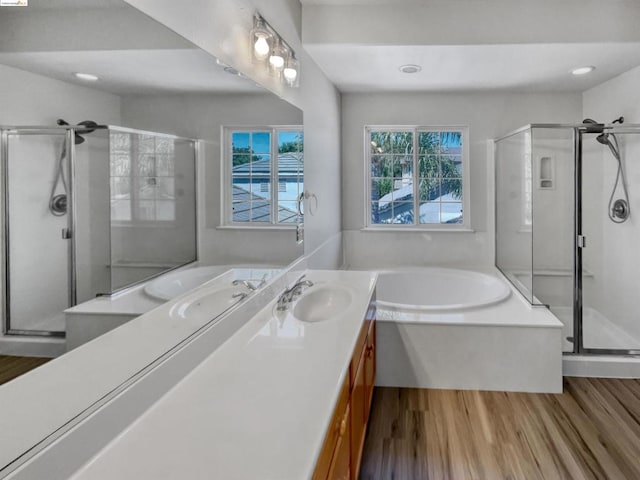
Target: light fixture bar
[270,49]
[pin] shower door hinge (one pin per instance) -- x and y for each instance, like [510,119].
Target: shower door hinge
[582,241]
[66,233]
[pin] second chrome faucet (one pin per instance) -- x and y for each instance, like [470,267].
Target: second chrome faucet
[290,294]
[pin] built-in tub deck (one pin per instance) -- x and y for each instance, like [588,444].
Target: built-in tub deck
[508,345]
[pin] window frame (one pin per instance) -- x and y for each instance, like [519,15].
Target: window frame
[226,180]
[465,226]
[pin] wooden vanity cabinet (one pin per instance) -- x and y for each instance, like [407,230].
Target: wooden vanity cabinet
[342,450]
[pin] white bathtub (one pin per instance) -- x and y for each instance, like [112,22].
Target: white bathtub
[461,329]
[439,290]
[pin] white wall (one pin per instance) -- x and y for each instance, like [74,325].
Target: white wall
[222,29]
[202,116]
[612,250]
[41,254]
[488,115]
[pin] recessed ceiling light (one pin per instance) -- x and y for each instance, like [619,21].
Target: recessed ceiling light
[410,68]
[583,70]
[86,76]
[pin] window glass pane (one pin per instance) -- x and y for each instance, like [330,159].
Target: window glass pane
[429,212]
[451,166]
[260,211]
[380,143]
[402,142]
[429,189]
[240,142]
[380,187]
[451,188]
[241,211]
[429,166]
[428,143]
[261,142]
[382,165]
[451,143]
[403,166]
[402,212]
[451,212]
[402,190]
[288,212]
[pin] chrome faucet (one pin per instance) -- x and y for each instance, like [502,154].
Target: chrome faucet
[290,294]
[249,285]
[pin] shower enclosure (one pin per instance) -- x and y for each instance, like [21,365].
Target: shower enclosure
[86,212]
[567,228]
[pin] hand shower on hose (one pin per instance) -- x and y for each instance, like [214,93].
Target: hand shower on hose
[58,201]
[618,210]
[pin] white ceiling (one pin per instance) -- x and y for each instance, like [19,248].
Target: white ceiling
[129,52]
[526,67]
[128,72]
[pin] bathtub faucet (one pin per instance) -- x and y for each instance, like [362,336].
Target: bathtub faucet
[249,285]
[290,294]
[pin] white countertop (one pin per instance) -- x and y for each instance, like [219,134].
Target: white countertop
[257,408]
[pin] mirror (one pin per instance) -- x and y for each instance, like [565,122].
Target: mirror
[179,141]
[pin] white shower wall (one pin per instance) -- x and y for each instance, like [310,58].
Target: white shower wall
[615,253]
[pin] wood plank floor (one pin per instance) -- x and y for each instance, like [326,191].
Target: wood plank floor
[591,431]
[12,367]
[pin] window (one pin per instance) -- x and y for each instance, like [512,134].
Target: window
[142,178]
[264,172]
[417,176]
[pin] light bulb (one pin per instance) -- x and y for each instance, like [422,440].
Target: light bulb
[261,47]
[276,60]
[290,74]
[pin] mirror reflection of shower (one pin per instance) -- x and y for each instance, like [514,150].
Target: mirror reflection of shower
[58,201]
[618,210]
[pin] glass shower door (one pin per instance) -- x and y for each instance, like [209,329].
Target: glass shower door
[37,249]
[610,258]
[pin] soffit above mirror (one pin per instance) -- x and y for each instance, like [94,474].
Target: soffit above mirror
[129,52]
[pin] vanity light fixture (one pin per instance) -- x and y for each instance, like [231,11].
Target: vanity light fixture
[276,59]
[583,70]
[269,49]
[86,76]
[290,72]
[261,39]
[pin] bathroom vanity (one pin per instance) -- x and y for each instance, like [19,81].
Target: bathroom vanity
[286,397]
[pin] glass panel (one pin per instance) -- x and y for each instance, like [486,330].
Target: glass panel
[611,318]
[260,142]
[451,212]
[290,169]
[38,267]
[158,193]
[552,215]
[402,212]
[514,244]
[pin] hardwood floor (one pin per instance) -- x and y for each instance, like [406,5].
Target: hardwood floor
[591,431]
[12,367]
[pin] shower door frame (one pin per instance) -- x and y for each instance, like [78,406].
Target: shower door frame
[580,244]
[68,133]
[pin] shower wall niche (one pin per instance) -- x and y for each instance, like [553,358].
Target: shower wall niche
[124,210]
[554,239]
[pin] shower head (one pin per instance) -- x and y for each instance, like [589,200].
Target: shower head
[594,127]
[90,127]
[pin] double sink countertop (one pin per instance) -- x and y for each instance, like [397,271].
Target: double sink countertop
[259,406]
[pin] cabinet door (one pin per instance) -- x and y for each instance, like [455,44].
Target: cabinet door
[340,465]
[370,368]
[358,417]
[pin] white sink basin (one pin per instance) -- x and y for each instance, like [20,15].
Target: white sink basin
[321,303]
[208,305]
[176,283]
